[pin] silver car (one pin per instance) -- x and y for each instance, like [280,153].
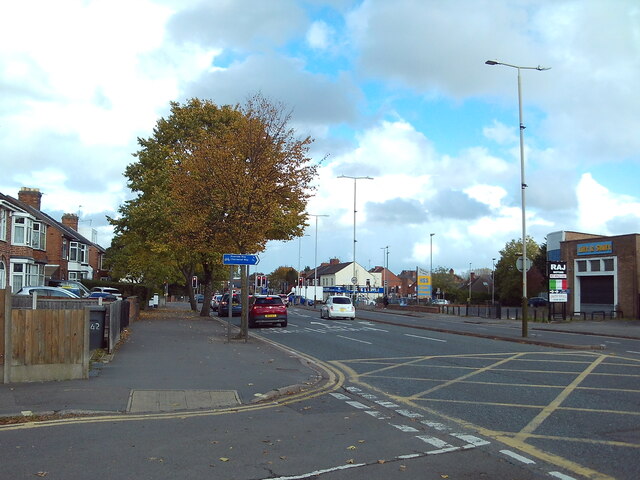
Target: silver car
[46,291]
[338,306]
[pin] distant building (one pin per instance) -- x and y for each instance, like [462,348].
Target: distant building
[603,273]
[35,248]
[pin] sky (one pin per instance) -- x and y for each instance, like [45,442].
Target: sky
[394,90]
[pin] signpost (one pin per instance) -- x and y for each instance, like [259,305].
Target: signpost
[558,288]
[244,260]
[239,259]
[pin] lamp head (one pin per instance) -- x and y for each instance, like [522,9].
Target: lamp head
[491,62]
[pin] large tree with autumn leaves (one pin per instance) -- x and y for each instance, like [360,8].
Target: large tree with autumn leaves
[212,180]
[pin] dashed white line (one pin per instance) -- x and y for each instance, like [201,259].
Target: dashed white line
[434,441]
[339,396]
[435,425]
[358,405]
[475,441]
[515,456]
[385,404]
[376,414]
[409,414]
[425,338]
[405,428]
[320,472]
[354,340]
[561,476]
[631,351]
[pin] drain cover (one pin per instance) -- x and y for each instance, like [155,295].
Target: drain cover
[175,400]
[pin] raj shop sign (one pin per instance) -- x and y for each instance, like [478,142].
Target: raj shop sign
[596,248]
[558,288]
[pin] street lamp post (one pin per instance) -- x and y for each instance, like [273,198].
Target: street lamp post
[431,263]
[355,276]
[493,281]
[523,187]
[469,302]
[315,259]
[385,261]
[299,260]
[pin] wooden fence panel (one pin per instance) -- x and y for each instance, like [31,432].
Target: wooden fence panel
[49,345]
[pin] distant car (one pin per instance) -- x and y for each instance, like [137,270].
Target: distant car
[103,295]
[113,291]
[73,285]
[236,306]
[338,307]
[538,302]
[267,309]
[46,291]
[441,301]
[215,301]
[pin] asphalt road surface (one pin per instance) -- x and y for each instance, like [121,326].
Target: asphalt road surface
[568,413]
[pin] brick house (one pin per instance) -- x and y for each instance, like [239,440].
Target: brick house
[35,248]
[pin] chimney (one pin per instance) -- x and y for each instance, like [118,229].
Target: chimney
[30,196]
[334,261]
[70,220]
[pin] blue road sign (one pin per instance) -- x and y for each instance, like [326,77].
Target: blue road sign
[239,259]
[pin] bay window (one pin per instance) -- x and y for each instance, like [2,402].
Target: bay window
[77,252]
[22,230]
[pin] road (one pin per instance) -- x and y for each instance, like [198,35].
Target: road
[569,413]
[410,402]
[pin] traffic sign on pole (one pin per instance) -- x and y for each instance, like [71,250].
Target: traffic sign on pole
[239,259]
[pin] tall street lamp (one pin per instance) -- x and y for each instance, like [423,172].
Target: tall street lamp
[385,261]
[523,187]
[493,281]
[354,280]
[315,259]
[431,263]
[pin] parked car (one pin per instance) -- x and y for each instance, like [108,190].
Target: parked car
[103,295]
[441,301]
[215,301]
[113,291]
[267,309]
[338,307]
[47,291]
[538,302]
[73,285]
[236,306]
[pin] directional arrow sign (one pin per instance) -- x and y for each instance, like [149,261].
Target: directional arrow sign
[239,259]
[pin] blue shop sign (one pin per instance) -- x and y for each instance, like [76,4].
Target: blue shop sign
[595,248]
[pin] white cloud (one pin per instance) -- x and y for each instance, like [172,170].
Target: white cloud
[599,207]
[500,133]
[318,35]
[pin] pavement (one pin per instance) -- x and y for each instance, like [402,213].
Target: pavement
[174,360]
[170,360]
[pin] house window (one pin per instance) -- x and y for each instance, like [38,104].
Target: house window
[64,249]
[22,228]
[77,252]
[582,265]
[3,275]
[26,274]
[39,238]
[3,225]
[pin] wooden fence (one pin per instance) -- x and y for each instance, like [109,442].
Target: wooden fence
[52,340]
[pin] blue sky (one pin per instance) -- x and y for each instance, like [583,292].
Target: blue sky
[397,90]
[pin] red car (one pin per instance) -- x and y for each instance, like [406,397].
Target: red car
[267,309]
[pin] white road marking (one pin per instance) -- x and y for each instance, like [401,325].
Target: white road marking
[355,340]
[382,403]
[435,425]
[339,396]
[376,414]
[318,323]
[470,439]
[515,456]
[409,414]
[434,441]
[631,351]
[613,343]
[425,338]
[368,396]
[353,389]
[320,472]
[405,428]
[358,405]
[561,476]
[375,329]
